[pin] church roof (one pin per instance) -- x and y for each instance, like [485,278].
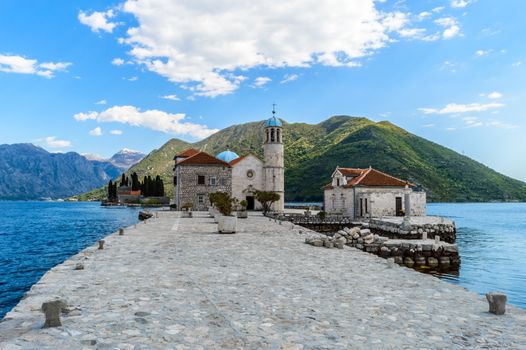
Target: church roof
[227,156]
[370,177]
[273,122]
[202,158]
[237,160]
[187,153]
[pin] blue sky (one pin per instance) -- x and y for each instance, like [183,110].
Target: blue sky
[98,76]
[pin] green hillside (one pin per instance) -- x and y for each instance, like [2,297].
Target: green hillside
[313,151]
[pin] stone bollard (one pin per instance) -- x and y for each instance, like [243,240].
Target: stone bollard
[437,239]
[52,310]
[156,214]
[101,244]
[497,302]
[79,266]
[121,231]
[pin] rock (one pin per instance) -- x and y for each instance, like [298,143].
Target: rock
[398,260]
[52,310]
[409,262]
[338,244]
[101,244]
[328,244]
[359,240]
[79,266]
[365,232]
[354,230]
[497,302]
[347,230]
[317,243]
[420,261]
[121,231]
[144,215]
[359,246]
[432,262]
[444,261]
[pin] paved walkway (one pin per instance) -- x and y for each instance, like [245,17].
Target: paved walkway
[176,284]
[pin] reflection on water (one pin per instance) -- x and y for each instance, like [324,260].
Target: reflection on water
[492,240]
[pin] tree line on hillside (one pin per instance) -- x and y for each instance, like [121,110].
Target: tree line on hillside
[149,187]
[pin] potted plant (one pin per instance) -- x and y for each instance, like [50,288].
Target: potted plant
[212,210]
[227,222]
[187,210]
[266,198]
[242,212]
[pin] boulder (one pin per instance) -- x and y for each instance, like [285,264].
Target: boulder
[365,232]
[444,261]
[497,302]
[432,262]
[52,311]
[409,262]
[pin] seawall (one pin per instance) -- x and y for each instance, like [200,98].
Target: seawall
[176,283]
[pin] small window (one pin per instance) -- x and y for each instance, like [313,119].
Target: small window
[223,181]
[213,180]
[200,179]
[201,199]
[175,180]
[250,174]
[338,182]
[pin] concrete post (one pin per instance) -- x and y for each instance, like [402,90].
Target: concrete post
[101,244]
[497,302]
[121,231]
[52,310]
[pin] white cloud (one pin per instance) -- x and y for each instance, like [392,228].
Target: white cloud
[202,45]
[132,78]
[116,132]
[495,95]
[459,3]
[261,81]
[53,142]
[429,125]
[22,65]
[474,122]
[151,119]
[101,102]
[438,9]
[287,78]
[482,53]
[80,117]
[423,15]
[172,97]
[96,132]
[98,21]
[451,27]
[516,64]
[117,61]
[455,108]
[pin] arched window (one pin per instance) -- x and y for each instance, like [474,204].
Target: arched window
[278,135]
[268,137]
[271,135]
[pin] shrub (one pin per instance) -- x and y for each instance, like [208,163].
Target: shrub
[266,199]
[224,203]
[187,206]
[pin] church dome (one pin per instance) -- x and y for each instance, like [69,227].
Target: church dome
[273,122]
[227,156]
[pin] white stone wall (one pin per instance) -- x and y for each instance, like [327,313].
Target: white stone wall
[274,170]
[339,200]
[241,182]
[382,200]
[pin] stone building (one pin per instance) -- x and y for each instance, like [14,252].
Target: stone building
[360,193]
[242,176]
[196,175]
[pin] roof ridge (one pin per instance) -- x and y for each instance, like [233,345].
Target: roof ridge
[391,176]
[362,176]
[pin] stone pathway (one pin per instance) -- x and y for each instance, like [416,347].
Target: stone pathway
[174,283]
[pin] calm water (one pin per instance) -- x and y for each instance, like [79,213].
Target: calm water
[492,242]
[35,236]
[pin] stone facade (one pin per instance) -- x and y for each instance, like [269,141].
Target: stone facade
[274,167]
[217,178]
[248,177]
[361,193]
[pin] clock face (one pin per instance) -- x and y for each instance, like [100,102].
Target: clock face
[250,174]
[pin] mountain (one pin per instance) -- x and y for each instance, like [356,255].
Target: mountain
[126,158]
[313,151]
[30,172]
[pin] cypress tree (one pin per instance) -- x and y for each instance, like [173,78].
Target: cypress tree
[110,190]
[123,180]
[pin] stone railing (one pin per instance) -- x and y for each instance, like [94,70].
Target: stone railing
[445,230]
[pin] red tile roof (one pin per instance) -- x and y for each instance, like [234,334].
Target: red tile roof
[187,153]
[369,177]
[203,158]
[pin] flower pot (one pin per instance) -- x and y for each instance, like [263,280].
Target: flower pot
[242,214]
[216,217]
[227,224]
[187,214]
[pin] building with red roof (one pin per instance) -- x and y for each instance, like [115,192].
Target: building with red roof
[361,193]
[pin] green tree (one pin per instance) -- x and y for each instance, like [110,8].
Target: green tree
[266,199]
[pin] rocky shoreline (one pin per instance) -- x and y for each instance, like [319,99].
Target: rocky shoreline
[174,283]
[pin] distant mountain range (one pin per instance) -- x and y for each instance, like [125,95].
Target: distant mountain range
[123,159]
[313,151]
[30,172]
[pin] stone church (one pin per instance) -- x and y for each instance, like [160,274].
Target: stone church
[364,193]
[197,173]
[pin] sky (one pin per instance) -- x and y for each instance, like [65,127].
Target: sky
[95,76]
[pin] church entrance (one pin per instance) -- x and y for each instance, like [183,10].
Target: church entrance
[250,203]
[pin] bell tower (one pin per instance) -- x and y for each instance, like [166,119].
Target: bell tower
[274,168]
